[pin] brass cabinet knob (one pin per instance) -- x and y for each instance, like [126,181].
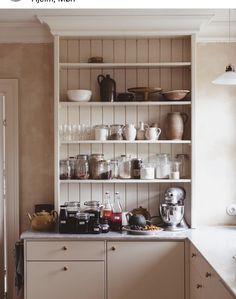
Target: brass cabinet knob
[64,248]
[65,268]
[208,274]
[194,254]
[113,248]
[199,286]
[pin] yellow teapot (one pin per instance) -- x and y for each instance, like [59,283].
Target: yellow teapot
[43,221]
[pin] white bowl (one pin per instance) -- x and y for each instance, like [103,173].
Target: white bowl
[79,95]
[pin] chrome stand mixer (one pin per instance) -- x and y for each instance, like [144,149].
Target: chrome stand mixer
[172,210]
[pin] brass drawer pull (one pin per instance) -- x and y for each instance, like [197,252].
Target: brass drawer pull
[199,286]
[64,248]
[113,248]
[194,254]
[208,274]
[65,268]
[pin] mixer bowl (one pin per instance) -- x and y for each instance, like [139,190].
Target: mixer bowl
[172,214]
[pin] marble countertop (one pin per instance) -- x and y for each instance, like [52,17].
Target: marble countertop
[216,244]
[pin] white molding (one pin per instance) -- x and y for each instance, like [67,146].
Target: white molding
[24,32]
[124,26]
[9,88]
[217,31]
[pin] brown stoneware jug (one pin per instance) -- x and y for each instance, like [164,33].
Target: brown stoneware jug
[174,125]
[107,88]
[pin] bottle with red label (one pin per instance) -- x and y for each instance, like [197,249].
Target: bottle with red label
[116,224]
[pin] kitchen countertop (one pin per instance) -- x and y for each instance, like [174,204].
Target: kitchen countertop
[216,244]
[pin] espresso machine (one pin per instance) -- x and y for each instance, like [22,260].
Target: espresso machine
[172,210]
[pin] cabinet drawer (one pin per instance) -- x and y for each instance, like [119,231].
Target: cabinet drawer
[65,250]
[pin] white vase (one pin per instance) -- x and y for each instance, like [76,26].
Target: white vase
[130,132]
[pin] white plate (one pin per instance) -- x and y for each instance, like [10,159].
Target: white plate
[142,232]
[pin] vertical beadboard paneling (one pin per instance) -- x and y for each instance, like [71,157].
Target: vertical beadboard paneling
[120,50]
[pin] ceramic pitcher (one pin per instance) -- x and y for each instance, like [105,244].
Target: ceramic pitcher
[107,88]
[174,125]
[129,132]
[152,133]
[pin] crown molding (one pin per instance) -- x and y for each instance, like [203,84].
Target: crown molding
[217,31]
[125,25]
[24,32]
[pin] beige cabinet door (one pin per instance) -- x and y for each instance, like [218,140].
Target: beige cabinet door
[197,286]
[61,280]
[138,270]
[216,290]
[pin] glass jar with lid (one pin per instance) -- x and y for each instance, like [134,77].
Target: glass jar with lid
[114,169]
[147,171]
[125,167]
[82,167]
[72,161]
[93,208]
[103,170]
[101,132]
[93,159]
[116,132]
[72,206]
[65,170]
[82,222]
[163,166]
[136,165]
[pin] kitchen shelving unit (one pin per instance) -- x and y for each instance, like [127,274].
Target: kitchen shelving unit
[158,61]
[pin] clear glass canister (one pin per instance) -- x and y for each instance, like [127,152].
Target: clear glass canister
[93,159]
[72,162]
[101,132]
[114,169]
[147,171]
[125,167]
[175,170]
[65,170]
[116,132]
[82,167]
[163,166]
[103,170]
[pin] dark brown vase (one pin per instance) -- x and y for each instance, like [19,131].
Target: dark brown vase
[107,88]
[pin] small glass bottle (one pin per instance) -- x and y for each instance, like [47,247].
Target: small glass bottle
[107,208]
[175,170]
[116,224]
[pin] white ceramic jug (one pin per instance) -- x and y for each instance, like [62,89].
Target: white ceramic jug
[152,133]
[130,132]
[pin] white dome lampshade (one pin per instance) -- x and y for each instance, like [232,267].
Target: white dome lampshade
[227,78]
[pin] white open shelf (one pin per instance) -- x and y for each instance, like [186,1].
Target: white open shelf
[127,142]
[105,65]
[120,181]
[143,103]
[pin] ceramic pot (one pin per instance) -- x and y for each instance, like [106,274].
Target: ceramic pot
[107,88]
[174,125]
[43,221]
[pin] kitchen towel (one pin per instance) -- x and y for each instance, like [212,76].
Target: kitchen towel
[19,266]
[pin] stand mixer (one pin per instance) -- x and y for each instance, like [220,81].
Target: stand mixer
[172,210]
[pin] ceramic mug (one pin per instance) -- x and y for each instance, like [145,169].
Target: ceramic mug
[152,133]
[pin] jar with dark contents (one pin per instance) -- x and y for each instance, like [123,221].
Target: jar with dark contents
[82,223]
[103,170]
[65,170]
[81,167]
[116,132]
[135,168]
[93,208]
[93,159]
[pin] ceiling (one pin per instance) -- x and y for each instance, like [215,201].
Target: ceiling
[17,25]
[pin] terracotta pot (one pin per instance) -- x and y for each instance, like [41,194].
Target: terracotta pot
[174,125]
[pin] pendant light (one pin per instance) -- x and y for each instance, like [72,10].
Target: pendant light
[229,76]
